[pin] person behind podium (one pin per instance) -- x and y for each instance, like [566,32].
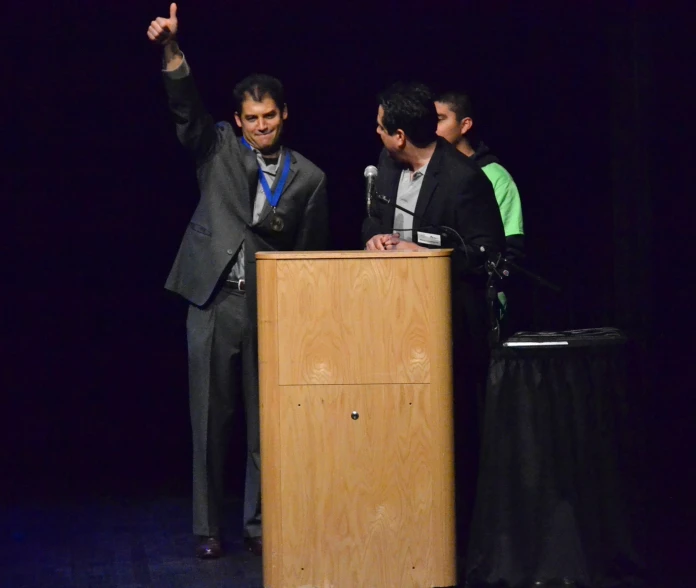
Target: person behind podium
[255,195]
[427,176]
[456,125]
[440,187]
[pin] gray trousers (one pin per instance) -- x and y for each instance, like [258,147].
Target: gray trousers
[223,361]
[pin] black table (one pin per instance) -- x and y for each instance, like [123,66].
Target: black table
[556,449]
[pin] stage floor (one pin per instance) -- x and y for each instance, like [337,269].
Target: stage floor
[115,543]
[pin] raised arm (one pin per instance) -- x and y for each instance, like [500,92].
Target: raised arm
[195,127]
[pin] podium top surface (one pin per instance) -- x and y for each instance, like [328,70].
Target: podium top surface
[358,254]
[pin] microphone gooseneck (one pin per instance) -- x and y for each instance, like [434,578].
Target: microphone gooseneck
[370,186]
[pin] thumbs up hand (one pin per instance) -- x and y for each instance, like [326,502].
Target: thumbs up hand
[163,30]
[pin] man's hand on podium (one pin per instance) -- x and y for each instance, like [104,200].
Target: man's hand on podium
[391,242]
[379,243]
[396,244]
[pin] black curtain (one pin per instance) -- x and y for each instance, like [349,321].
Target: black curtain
[585,106]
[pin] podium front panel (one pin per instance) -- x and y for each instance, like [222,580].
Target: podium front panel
[370,493]
[356,421]
[349,321]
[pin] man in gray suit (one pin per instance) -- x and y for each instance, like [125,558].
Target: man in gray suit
[255,195]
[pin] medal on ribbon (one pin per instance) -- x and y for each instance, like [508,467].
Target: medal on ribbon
[277,223]
[273,196]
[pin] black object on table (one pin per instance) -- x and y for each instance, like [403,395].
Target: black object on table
[552,506]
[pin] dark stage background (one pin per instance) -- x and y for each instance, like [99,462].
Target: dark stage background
[582,107]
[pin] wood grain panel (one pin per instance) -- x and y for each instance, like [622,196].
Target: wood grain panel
[366,502]
[439,303]
[350,321]
[361,504]
[270,423]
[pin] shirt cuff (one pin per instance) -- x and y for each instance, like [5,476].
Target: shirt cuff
[180,72]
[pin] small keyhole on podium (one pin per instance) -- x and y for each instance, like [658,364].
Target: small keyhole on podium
[354,415]
[299,405]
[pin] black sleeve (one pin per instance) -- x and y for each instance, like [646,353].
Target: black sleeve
[374,225]
[514,247]
[477,219]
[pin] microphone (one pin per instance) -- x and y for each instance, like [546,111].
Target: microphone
[370,186]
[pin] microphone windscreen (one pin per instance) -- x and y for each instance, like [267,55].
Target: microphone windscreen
[370,171]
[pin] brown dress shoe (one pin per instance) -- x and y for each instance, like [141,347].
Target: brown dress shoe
[208,548]
[254,545]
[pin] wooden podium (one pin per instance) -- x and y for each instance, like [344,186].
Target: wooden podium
[357,468]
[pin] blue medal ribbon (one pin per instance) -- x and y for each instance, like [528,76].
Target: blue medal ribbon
[273,196]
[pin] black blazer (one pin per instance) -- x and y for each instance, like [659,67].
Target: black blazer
[457,194]
[227,177]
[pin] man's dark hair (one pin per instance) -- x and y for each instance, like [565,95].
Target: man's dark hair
[460,104]
[257,87]
[411,108]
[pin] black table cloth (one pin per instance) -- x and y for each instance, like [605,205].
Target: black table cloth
[552,501]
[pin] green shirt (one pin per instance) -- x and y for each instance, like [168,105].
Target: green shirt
[508,198]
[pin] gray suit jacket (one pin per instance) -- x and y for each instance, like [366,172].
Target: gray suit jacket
[227,177]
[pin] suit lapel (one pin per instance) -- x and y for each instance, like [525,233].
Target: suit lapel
[293,169]
[430,183]
[251,171]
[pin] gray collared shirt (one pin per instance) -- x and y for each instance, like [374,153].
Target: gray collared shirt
[270,171]
[410,185]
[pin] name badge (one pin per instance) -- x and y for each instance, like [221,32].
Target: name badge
[429,239]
